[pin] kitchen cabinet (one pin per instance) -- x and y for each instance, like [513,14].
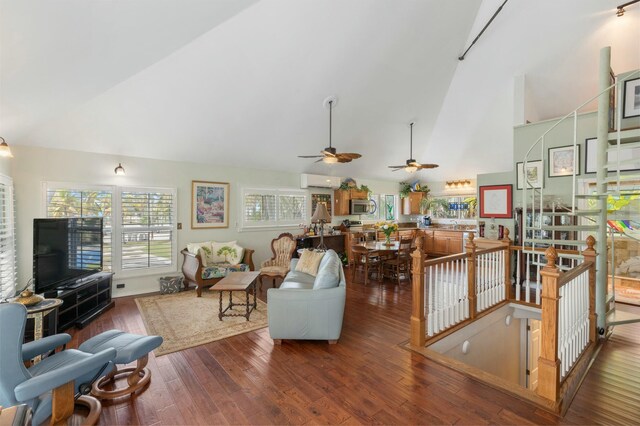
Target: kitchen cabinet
[341,202]
[427,242]
[444,243]
[342,198]
[358,195]
[411,203]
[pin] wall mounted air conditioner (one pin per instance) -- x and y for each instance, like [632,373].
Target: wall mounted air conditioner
[319,181]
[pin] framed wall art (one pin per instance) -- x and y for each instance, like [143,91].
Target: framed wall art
[209,204]
[496,201]
[562,161]
[534,175]
[631,98]
[629,157]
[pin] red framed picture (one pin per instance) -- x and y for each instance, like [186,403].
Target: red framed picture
[496,201]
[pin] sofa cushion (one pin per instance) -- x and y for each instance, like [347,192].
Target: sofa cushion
[296,285]
[309,262]
[328,272]
[229,252]
[220,270]
[299,277]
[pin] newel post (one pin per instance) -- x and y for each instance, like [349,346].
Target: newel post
[508,291]
[471,275]
[548,362]
[590,256]
[418,330]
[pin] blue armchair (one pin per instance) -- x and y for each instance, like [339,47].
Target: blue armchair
[58,377]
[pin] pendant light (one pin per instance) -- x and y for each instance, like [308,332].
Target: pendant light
[119,171]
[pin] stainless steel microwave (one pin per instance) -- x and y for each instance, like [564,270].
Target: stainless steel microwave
[360,207]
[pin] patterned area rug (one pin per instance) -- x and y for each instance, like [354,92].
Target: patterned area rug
[185,321]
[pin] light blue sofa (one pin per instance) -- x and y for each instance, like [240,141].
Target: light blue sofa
[308,307]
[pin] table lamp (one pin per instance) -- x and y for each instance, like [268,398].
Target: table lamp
[321,216]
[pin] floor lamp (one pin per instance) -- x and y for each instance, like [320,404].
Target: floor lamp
[321,216]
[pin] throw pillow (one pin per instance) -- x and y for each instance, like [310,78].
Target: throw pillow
[328,272]
[229,252]
[193,247]
[309,262]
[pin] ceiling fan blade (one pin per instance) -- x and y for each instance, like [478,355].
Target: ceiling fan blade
[396,167]
[395,170]
[426,166]
[310,156]
[319,160]
[349,155]
[328,153]
[344,160]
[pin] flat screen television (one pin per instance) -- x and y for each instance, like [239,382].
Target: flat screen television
[65,250]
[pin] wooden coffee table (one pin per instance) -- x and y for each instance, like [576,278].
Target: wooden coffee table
[237,281]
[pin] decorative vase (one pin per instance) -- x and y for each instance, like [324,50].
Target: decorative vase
[388,240]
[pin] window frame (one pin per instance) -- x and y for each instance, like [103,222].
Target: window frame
[7,182]
[277,224]
[116,223]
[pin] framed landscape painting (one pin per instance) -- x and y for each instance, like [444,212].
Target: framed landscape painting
[631,102]
[563,161]
[534,175]
[209,204]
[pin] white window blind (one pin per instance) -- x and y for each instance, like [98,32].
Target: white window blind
[148,221]
[264,207]
[7,239]
[76,201]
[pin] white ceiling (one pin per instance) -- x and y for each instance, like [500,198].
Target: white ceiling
[242,82]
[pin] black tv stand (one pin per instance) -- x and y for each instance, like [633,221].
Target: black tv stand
[84,300]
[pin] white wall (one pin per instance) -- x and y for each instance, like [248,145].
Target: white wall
[32,166]
[5,166]
[494,346]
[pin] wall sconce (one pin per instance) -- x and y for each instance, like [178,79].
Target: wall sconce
[5,151]
[119,171]
[457,184]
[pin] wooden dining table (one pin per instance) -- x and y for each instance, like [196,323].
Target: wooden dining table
[382,246]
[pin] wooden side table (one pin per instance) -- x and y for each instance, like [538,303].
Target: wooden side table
[38,312]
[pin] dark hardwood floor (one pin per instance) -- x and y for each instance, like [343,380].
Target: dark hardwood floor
[365,378]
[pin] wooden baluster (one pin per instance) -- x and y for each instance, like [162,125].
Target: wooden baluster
[508,291]
[548,362]
[471,275]
[418,337]
[590,256]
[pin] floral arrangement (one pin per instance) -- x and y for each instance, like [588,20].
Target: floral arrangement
[388,228]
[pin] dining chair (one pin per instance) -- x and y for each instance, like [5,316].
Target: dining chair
[400,264]
[368,261]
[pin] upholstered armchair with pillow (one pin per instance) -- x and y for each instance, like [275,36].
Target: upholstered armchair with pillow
[283,248]
[310,302]
[208,262]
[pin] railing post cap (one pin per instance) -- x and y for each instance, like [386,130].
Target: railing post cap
[419,242]
[472,235]
[506,233]
[551,256]
[591,242]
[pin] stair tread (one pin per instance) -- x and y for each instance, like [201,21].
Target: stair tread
[556,242]
[568,228]
[621,317]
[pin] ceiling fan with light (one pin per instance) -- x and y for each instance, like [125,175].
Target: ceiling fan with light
[411,164]
[329,154]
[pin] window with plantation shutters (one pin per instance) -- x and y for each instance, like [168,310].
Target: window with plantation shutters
[79,201]
[7,239]
[273,207]
[147,234]
[139,234]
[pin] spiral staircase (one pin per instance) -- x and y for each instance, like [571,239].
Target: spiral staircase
[606,208]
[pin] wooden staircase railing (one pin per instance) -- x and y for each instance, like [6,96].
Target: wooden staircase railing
[453,291]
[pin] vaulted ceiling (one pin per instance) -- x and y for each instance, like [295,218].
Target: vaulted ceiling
[242,82]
